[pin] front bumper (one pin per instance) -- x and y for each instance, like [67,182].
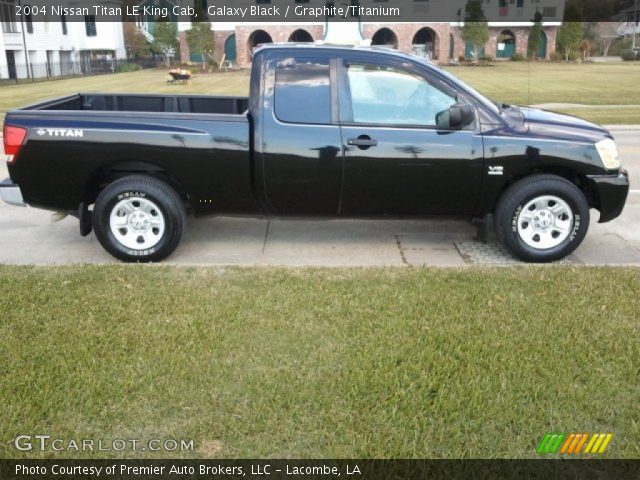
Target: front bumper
[611,192]
[11,193]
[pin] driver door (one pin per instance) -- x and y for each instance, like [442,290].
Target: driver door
[398,161]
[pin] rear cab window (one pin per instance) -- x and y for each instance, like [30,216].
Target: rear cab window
[303,91]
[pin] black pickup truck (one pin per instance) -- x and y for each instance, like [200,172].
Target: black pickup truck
[326,131]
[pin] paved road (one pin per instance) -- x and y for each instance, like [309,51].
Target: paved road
[28,237]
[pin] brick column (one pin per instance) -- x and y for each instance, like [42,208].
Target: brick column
[242,45]
[458,42]
[552,34]
[491,47]
[522,40]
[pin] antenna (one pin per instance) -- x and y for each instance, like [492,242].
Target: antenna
[529,80]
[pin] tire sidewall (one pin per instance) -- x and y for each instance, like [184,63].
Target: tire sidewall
[580,226]
[102,212]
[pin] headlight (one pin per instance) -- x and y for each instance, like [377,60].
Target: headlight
[608,152]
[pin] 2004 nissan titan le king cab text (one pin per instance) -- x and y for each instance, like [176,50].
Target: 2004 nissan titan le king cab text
[326,131]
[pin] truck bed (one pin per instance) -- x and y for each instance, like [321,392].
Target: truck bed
[100,102]
[203,143]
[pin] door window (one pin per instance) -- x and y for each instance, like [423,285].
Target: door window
[389,96]
[303,91]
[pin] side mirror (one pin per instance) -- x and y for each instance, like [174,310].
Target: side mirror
[459,116]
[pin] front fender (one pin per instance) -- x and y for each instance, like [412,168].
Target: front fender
[511,155]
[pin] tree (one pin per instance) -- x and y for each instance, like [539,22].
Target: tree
[569,37]
[598,10]
[585,47]
[201,40]
[165,38]
[535,37]
[607,33]
[199,11]
[136,44]
[476,29]
[570,33]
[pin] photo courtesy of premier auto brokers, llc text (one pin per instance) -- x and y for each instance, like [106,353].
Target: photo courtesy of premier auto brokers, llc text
[355,238]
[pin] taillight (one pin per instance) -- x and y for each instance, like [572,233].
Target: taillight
[13,139]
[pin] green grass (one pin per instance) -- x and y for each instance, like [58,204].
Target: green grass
[321,363]
[523,83]
[534,83]
[510,82]
[627,115]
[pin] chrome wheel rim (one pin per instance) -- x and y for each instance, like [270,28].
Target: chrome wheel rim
[137,223]
[545,222]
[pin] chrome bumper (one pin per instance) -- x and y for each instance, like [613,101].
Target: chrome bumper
[11,194]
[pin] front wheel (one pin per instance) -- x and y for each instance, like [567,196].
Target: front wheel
[542,218]
[139,219]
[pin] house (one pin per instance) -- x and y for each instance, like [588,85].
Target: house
[56,47]
[440,41]
[628,21]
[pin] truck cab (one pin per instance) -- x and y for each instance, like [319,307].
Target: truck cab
[374,137]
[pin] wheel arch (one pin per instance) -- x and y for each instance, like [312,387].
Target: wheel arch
[579,179]
[122,168]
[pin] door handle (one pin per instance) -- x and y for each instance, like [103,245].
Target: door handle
[362,142]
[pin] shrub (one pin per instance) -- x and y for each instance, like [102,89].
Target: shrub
[628,55]
[486,58]
[128,67]
[557,57]
[518,57]
[560,57]
[619,45]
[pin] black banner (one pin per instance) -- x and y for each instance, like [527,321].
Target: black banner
[321,469]
[278,11]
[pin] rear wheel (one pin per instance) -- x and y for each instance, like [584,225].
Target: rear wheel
[542,218]
[139,219]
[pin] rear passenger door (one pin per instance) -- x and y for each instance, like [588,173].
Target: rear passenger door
[300,148]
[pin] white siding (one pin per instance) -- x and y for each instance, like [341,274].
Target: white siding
[49,37]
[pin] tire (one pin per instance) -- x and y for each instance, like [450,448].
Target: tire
[542,218]
[139,219]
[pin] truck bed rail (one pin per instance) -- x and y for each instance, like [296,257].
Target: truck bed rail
[98,102]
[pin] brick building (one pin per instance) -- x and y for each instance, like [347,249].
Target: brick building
[438,41]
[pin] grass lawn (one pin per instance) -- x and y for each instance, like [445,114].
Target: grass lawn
[510,82]
[344,363]
[522,83]
[526,83]
[621,115]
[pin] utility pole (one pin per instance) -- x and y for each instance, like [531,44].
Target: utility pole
[24,43]
[634,23]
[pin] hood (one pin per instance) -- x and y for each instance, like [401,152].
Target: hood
[561,126]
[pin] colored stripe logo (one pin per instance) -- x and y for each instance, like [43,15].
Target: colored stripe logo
[574,443]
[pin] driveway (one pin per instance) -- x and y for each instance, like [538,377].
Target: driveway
[29,237]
